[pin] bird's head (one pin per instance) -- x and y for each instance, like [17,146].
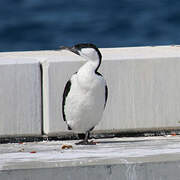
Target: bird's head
[87,51]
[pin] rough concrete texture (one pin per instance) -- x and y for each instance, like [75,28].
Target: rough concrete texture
[143,88]
[20,96]
[148,158]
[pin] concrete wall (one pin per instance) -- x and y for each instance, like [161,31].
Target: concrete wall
[20,97]
[139,171]
[143,86]
[143,83]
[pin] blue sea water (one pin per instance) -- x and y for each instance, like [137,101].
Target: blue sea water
[48,24]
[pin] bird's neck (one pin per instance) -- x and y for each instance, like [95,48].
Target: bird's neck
[90,67]
[86,73]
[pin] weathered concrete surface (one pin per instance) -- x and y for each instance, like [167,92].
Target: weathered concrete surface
[148,158]
[20,96]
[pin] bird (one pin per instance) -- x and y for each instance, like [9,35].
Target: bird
[85,93]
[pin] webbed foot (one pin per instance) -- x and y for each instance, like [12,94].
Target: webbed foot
[86,143]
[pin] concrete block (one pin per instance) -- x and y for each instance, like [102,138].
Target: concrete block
[142,158]
[143,83]
[142,94]
[20,96]
[140,171]
[56,72]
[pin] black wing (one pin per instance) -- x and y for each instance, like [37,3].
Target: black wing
[106,95]
[106,89]
[66,91]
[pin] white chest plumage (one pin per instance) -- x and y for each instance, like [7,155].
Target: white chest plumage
[85,101]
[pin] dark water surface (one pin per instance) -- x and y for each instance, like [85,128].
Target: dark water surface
[47,24]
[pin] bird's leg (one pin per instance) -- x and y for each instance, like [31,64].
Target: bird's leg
[86,137]
[85,141]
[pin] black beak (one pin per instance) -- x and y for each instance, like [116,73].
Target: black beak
[72,49]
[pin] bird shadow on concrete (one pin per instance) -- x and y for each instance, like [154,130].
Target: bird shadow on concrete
[118,142]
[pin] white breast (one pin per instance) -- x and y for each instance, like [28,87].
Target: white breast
[85,102]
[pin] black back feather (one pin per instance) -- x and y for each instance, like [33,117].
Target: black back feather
[66,91]
[106,95]
[106,89]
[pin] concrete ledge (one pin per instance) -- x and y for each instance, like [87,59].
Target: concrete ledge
[143,82]
[20,97]
[141,171]
[126,158]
